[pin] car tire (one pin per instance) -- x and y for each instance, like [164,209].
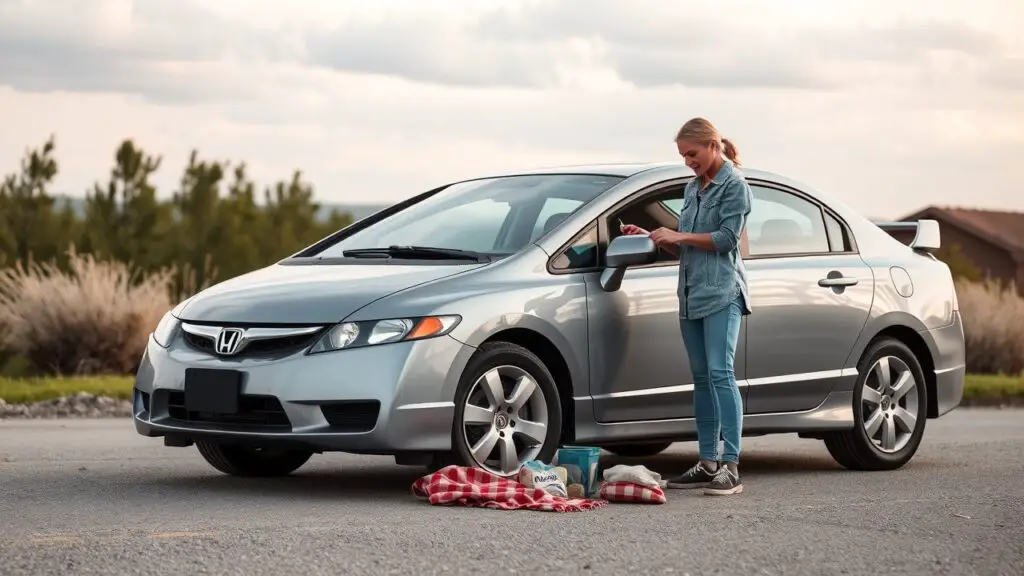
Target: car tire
[638,450]
[508,358]
[855,449]
[245,461]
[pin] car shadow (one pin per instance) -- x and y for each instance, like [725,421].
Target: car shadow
[751,463]
[385,481]
[382,482]
[764,463]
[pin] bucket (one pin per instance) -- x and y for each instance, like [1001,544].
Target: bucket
[581,464]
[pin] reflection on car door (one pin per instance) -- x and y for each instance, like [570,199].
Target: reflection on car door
[810,294]
[638,363]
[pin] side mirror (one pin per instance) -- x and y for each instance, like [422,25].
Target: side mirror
[623,252]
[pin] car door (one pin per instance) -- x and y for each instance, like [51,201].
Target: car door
[810,293]
[638,364]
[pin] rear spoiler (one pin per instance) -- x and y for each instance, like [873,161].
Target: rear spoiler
[923,235]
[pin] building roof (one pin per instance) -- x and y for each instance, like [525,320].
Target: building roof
[1002,228]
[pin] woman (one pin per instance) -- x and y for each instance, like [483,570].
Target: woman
[712,298]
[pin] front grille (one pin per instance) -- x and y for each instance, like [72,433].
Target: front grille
[271,347]
[199,342]
[352,415]
[261,412]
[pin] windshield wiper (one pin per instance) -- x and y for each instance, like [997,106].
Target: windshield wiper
[416,252]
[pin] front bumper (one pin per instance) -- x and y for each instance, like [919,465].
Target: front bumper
[385,399]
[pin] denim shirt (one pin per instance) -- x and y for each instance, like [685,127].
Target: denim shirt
[711,280]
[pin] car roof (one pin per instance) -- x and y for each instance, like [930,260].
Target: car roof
[677,169]
[670,170]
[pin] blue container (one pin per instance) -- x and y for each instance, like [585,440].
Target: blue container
[581,463]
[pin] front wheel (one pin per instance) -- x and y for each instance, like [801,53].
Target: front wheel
[246,461]
[507,410]
[890,408]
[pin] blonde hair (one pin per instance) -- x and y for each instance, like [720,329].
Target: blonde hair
[702,131]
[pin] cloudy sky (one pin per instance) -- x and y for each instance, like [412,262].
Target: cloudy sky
[890,104]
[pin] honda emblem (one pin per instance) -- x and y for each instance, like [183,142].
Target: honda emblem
[228,341]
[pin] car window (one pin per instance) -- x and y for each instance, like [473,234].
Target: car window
[781,223]
[554,211]
[491,215]
[480,223]
[581,254]
[837,238]
[674,204]
[650,212]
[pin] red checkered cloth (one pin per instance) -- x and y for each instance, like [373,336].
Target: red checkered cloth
[462,486]
[632,492]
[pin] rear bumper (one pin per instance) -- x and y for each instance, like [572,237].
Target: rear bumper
[386,399]
[950,366]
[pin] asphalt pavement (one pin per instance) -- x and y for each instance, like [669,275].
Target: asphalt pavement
[92,497]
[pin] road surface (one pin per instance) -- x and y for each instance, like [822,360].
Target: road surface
[92,497]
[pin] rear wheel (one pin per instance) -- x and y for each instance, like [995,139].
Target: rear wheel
[638,450]
[890,408]
[507,411]
[249,461]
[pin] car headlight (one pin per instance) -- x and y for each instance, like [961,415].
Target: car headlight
[370,333]
[164,331]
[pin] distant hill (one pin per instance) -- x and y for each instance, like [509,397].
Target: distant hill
[358,211]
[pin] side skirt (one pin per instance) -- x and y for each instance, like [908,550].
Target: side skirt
[834,413]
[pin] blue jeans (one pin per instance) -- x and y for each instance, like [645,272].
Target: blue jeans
[711,346]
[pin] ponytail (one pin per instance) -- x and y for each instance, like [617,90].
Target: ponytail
[730,151]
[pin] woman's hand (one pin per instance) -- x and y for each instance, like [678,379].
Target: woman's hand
[632,230]
[667,238]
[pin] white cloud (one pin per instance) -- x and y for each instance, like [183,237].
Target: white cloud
[885,106]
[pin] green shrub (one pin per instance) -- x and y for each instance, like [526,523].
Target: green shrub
[95,319]
[993,316]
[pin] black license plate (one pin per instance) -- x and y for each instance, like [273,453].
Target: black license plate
[212,390]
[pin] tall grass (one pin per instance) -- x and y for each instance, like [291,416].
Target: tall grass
[93,319]
[993,316]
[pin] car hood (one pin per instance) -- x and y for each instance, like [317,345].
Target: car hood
[307,294]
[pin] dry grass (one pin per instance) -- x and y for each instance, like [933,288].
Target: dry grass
[993,327]
[93,320]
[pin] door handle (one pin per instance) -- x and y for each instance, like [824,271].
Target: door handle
[837,281]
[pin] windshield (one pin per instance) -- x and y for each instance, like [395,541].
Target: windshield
[489,216]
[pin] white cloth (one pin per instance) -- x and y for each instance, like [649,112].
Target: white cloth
[635,474]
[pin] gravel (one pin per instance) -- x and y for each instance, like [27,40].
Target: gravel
[81,405]
[92,496]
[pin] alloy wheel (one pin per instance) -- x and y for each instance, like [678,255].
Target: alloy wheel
[889,404]
[505,419]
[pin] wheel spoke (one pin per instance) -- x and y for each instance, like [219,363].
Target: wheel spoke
[483,448]
[904,383]
[888,434]
[882,372]
[873,423]
[509,454]
[871,396]
[905,419]
[478,415]
[534,431]
[521,393]
[493,389]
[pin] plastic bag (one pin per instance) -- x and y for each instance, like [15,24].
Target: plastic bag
[551,479]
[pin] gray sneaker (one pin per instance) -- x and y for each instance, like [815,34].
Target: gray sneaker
[697,477]
[724,483]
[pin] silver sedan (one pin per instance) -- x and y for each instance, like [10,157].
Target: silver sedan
[488,322]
